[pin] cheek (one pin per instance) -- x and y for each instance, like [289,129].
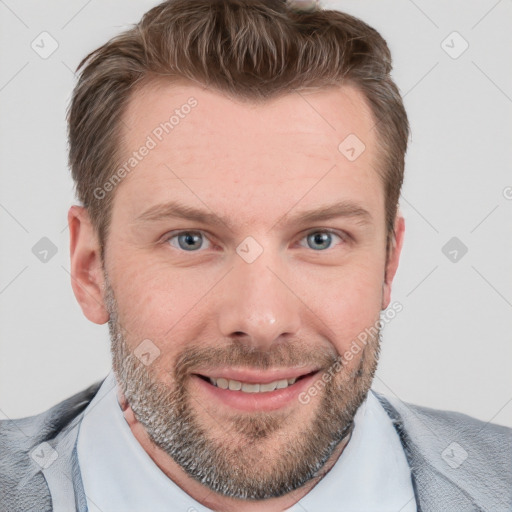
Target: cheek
[157,303]
[348,304]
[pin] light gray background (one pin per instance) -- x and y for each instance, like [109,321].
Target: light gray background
[450,348]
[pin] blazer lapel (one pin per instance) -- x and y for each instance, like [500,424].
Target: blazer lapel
[434,487]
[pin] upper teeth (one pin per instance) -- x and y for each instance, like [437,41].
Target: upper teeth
[247,387]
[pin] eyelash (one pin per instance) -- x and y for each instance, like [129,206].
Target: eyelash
[344,237]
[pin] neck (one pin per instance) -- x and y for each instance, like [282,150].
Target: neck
[203,494]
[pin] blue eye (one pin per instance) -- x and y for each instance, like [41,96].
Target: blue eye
[193,241]
[188,240]
[320,240]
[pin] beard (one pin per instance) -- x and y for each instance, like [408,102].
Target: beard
[250,456]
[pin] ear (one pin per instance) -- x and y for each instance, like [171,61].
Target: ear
[393,257]
[87,279]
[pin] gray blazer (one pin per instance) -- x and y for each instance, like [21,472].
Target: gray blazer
[458,463]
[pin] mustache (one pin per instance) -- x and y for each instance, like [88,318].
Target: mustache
[284,355]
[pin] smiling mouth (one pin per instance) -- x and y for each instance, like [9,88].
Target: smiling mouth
[252,387]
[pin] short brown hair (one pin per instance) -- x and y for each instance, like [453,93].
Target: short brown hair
[250,49]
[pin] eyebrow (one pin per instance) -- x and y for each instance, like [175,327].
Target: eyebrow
[177,210]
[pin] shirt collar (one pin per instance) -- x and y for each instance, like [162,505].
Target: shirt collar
[371,474]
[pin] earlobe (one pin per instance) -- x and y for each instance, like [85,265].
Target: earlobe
[87,279]
[393,260]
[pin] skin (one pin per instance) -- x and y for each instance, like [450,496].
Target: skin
[256,165]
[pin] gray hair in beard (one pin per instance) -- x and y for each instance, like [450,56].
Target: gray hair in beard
[237,464]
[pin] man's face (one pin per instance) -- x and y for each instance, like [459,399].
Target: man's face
[247,294]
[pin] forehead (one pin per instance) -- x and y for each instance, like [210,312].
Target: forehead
[243,156]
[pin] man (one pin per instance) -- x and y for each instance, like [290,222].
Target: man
[239,166]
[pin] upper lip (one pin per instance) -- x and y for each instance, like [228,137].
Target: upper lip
[257,376]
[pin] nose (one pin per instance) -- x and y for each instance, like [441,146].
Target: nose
[258,305]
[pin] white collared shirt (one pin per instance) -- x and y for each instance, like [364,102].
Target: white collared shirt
[118,475]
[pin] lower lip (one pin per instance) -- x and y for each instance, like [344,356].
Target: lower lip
[267,401]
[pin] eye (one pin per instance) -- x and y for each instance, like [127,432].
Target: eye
[189,241]
[321,239]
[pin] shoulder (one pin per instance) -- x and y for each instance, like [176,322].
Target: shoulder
[439,424]
[470,456]
[24,432]
[19,476]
